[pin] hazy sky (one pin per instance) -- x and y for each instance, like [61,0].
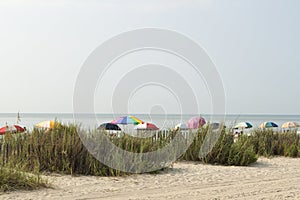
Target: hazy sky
[255,45]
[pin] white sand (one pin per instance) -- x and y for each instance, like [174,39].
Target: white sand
[277,178]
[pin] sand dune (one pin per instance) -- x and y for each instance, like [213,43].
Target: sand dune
[276,178]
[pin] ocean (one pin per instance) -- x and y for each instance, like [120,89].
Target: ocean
[91,121]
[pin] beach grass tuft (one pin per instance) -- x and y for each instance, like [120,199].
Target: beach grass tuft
[12,179]
[270,143]
[224,151]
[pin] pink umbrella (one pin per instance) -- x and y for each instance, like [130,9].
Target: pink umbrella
[195,122]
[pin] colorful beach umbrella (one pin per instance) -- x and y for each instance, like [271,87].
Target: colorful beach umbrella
[46,124]
[127,120]
[12,129]
[146,126]
[243,125]
[180,126]
[20,128]
[216,125]
[109,126]
[268,125]
[195,122]
[290,125]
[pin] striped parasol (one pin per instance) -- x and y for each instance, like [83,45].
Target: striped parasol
[127,120]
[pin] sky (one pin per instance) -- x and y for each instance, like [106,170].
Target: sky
[254,45]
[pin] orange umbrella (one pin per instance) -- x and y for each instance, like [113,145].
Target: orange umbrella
[46,124]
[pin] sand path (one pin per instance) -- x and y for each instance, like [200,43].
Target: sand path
[277,178]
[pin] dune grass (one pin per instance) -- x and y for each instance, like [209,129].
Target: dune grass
[12,179]
[270,143]
[224,152]
[61,149]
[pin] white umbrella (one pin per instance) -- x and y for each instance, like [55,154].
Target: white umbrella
[180,126]
[243,125]
[290,125]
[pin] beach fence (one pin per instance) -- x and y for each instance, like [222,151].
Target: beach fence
[160,134]
[167,134]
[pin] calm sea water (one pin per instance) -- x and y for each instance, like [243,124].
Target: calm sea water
[162,121]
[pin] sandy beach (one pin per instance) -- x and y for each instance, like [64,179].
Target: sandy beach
[276,178]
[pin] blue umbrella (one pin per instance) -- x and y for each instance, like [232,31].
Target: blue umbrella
[216,125]
[109,126]
[268,125]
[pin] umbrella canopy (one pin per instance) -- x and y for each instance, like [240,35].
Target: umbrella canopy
[243,125]
[12,129]
[216,125]
[180,126]
[20,128]
[290,125]
[268,125]
[127,120]
[146,126]
[195,122]
[109,126]
[46,124]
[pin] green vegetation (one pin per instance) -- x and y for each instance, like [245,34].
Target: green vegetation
[12,179]
[269,143]
[224,152]
[57,150]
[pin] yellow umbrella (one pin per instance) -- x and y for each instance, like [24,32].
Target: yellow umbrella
[290,125]
[46,124]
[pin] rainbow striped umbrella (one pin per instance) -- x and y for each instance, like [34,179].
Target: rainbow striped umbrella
[127,120]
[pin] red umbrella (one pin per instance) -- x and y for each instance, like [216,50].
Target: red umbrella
[195,122]
[12,129]
[20,128]
[146,126]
